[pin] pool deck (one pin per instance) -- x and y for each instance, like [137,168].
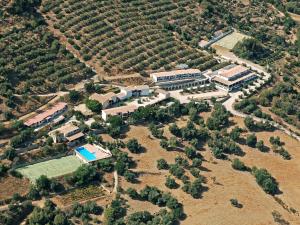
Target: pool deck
[97,151]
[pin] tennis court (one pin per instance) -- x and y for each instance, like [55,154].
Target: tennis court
[51,168]
[231,40]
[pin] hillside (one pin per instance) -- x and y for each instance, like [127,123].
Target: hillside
[88,137]
[127,36]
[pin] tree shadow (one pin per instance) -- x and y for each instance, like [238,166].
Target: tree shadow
[265,149]
[240,153]
[241,141]
[200,194]
[202,168]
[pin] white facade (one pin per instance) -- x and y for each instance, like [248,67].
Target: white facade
[136,91]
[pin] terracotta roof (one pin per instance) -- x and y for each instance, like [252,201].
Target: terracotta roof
[232,71]
[75,136]
[102,98]
[48,113]
[175,72]
[203,43]
[121,109]
[226,82]
[67,128]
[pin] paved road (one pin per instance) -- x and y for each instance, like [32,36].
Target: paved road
[229,105]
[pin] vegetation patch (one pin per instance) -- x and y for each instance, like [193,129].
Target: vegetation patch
[80,194]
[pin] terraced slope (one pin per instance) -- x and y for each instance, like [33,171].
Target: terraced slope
[127,37]
[32,60]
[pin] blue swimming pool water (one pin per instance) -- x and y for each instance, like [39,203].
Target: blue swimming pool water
[86,154]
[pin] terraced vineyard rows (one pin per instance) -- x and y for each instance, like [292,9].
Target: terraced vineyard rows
[32,59]
[125,36]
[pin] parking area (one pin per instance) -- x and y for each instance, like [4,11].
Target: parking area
[51,168]
[201,96]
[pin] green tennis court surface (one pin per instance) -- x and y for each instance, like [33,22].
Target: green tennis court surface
[231,40]
[51,168]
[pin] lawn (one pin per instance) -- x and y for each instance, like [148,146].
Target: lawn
[51,168]
[230,40]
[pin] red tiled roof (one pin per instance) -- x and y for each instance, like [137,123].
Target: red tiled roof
[233,71]
[48,113]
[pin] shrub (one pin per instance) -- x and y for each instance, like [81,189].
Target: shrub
[133,146]
[260,146]
[249,123]
[251,140]
[162,164]
[171,183]
[195,172]
[105,165]
[197,162]
[132,193]
[265,180]
[238,165]
[190,152]
[84,175]
[234,202]
[93,105]
[74,96]
[235,133]
[130,176]
[176,170]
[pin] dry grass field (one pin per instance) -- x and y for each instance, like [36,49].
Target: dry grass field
[10,185]
[222,182]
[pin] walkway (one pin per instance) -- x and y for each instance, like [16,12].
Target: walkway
[116,182]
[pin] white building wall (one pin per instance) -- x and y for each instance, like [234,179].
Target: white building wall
[104,116]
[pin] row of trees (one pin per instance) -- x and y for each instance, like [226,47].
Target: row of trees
[262,176]
[132,49]
[157,197]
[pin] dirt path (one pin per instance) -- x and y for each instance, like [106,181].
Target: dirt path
[116,182]
[38,203]
[295,17]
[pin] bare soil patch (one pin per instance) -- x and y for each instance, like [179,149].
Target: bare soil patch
[10,185]
[223,182]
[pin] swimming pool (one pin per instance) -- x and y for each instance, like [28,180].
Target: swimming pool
[86,154]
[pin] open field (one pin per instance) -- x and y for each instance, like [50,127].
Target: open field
[223,182]
[51,168]
[231,40]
